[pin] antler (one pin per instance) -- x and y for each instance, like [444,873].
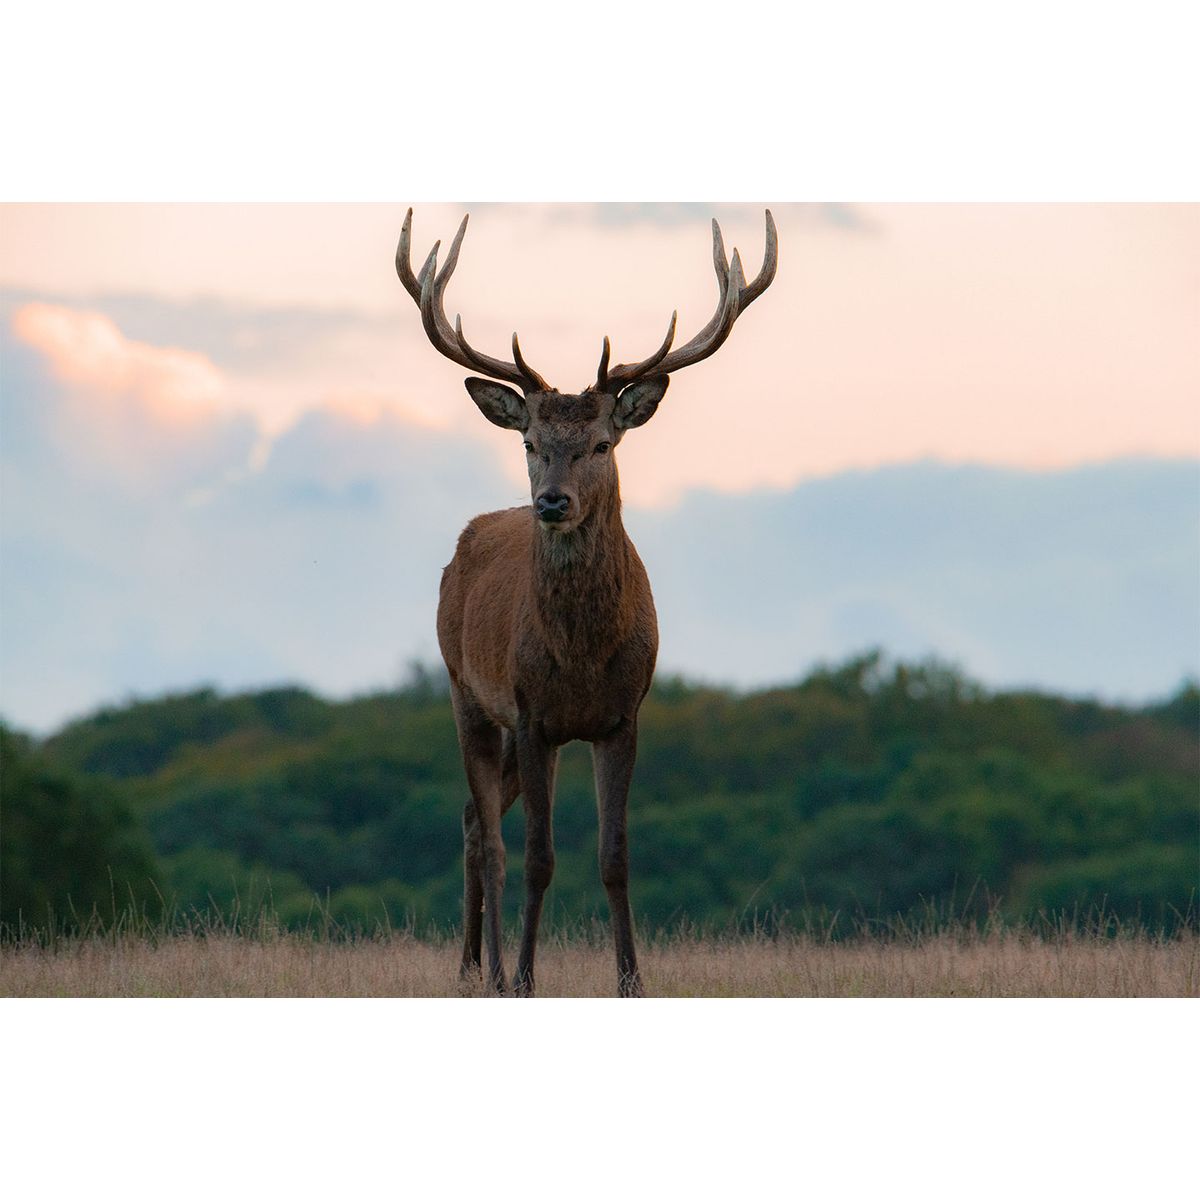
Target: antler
[735,296]
[428,288]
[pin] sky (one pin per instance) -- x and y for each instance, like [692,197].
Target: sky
[230,454]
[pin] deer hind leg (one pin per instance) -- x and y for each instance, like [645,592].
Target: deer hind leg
[472,894]
[538,763]
[612,761]
[510,789]
[484,857]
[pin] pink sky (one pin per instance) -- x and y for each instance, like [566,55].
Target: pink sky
[1024,335]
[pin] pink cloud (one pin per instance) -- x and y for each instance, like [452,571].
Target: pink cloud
[87,349]
[1036,336]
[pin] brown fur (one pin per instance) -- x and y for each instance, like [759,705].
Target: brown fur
[549,635]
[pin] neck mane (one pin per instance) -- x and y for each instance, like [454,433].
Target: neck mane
[581,601]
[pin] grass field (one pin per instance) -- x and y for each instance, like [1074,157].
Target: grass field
[946,962]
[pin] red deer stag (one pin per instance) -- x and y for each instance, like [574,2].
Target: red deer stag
[546,620]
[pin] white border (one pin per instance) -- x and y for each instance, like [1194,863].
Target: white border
[599,1098]
[864,100]
[239,101]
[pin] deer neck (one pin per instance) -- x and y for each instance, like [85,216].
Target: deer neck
[581,598]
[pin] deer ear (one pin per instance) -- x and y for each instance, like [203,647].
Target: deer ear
[638,402]
[501,405]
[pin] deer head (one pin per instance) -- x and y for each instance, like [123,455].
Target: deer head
[569,438]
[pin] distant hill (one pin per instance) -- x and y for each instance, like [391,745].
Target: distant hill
[864,791]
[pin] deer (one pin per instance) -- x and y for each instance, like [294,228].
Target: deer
[545,617]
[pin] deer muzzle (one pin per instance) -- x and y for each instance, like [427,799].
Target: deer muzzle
[552,507]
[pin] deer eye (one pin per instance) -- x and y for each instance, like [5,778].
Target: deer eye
[528,447]
[603,448]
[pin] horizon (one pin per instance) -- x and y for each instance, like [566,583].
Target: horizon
[432,672]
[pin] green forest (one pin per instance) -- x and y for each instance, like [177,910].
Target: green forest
[866,791]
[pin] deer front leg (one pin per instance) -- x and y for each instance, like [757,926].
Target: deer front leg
[537,762]
[510,788]
[612,762]
[482,751]
[485,793]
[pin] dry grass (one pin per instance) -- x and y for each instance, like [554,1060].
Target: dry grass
[947,963]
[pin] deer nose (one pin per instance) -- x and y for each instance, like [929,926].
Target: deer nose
[551,506]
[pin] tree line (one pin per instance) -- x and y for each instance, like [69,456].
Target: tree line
[866,791]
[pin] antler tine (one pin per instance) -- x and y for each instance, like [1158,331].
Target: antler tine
[449,342]
[735,296]
[437,281]
[443,276]
[472,356]
[721,266]
[738,277]
[713,335]
[719,261]
[520,373]
[428,267]
[525,368]
[766,272]
[403,259]
[628,372]
[602,371]
[428,288]
[427,279]
[440,280]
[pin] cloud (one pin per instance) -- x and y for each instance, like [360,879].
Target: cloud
[236,337]
[88,407]
[87,348]
[265,364]
[321,566]
[1026,335]
[1086,580]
